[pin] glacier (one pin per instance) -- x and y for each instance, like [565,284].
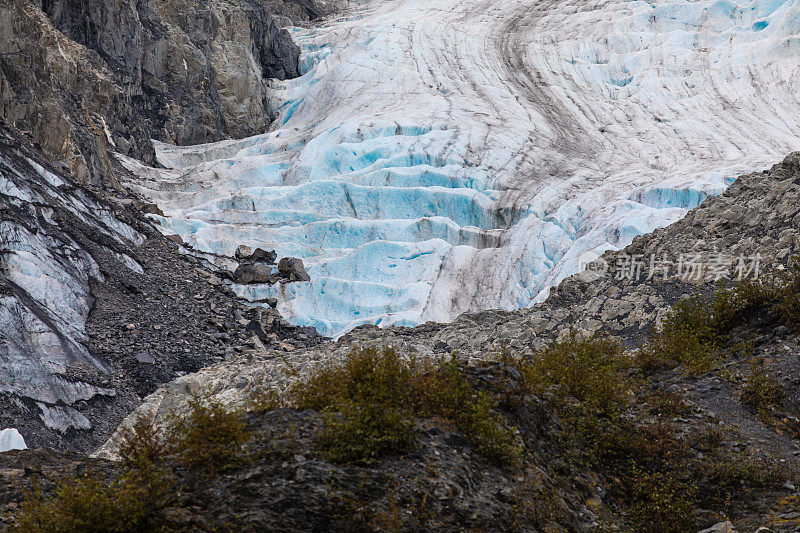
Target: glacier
[438,158]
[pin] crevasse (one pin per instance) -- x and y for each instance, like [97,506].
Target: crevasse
[437,158]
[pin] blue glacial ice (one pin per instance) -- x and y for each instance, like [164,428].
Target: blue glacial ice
[437,158]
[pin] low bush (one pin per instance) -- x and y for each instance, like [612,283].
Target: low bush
[361,432]
[376,393]
[209,436]
[661,503]
[788,305]
[690,334]
[588,369]
[133,500]
[762,392]
[93,503]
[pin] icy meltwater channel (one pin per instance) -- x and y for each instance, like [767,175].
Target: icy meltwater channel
[441,157]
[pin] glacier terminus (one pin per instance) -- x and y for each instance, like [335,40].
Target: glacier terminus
[438,158]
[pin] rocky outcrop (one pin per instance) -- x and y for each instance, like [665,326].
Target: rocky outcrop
[86,77]
[97,308]
[261,269]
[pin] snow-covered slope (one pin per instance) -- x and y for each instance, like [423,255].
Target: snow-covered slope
[440,157]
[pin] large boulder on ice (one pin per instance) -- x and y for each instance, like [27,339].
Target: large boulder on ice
[245,253]
[10,439]
[292,269]
[252,273]
[264,256]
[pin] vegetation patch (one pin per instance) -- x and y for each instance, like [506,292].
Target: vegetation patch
[697,327]
[589,370]
[208,438]
[691,333]
[94,504]
[762,392]
[656,476]
[372,397]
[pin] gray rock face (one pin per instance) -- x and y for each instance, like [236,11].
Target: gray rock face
[96,307]
[53,241]
[104,76]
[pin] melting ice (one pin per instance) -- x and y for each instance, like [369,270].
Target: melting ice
[437,158]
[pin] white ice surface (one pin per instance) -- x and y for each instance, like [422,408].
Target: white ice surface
[441,157]
[10,439]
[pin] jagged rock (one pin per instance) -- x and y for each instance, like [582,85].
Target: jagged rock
[271,302]
[102,76]
[261,255]
[256,328]
[252,273]
[292,269]
[152,209]
[243,252]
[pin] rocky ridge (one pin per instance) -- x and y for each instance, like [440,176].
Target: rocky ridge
[84,79]
[98,307]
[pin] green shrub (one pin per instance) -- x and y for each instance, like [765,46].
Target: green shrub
[377,393]
[667,403]
[788,306]
[591,370]
[264,399]
[361,432]
[209,436]
[365,375]
[447,393]
[762,391]
[696,327]
[93,504]
[689,335]
[133,500]
[141,447]
[661,503]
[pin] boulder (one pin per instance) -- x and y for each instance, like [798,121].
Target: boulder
[243,252]
[252,273]
[292,269]
[152,209]
[254,327]
[261,255]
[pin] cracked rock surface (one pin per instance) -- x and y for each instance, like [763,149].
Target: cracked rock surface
[98,308]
